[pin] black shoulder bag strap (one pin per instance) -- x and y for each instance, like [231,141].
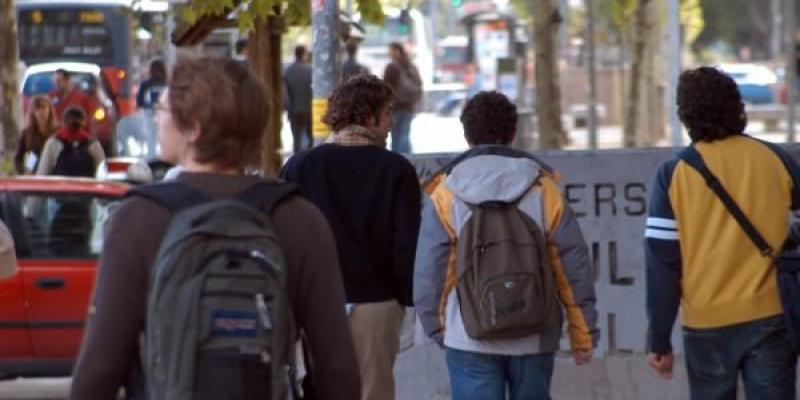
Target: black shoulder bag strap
[691,156]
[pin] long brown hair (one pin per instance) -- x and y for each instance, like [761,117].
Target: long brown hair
[33,125]
[404,59]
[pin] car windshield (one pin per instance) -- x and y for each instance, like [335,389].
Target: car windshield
[43,83]
[454,55]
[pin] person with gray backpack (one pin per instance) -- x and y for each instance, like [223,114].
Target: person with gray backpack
[500,258]
[206,283]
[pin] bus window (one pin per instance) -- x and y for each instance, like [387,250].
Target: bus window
[51,33]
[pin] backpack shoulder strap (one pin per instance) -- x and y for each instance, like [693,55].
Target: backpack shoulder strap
[691,156]
[266,196]
[174,195]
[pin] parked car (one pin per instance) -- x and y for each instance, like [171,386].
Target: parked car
[39,79]
[757,83]
[136,137]
[58,225]
[452,64]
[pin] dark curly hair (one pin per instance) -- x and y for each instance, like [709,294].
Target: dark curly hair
[710,105]
[357,100]
[489,118]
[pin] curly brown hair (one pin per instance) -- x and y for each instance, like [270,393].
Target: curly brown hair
[710,105]
[356,101]
[489,118]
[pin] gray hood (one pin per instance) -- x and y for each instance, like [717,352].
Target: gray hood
[492,177]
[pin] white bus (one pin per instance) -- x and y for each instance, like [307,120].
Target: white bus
[410,28]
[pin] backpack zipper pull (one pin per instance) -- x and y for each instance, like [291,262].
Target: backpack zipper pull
[263,313]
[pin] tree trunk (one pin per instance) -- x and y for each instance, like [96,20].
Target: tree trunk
[546,20]
[632,105]
[9,98]
[655,126]
[265,60]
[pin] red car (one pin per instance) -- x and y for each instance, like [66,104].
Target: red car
[58,225]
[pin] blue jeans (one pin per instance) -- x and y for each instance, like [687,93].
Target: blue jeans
[760,349]
[476,376]
[401,131]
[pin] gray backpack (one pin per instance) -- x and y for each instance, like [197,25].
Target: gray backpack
[218,323]
[506,286]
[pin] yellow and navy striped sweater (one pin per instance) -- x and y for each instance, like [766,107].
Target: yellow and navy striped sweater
[697,255]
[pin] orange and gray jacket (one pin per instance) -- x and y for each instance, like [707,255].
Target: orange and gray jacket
[697,256]
[500,173]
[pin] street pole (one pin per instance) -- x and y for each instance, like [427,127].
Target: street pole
[434,11]
[674,57]
[170,51]
[325,61]
[791,68]
[591,66]
[777,33]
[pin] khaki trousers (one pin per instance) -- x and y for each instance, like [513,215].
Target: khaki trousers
[376,336]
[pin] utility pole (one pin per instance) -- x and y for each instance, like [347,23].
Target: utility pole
[591,67]
[776,36]
[325,61]
[675,60]
[434,11]
[791,68]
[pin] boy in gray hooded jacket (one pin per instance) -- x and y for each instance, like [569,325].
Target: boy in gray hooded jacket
[491,171]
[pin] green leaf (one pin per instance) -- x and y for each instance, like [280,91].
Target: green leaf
[371,11]
[189,15]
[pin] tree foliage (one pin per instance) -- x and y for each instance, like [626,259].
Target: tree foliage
[294,12]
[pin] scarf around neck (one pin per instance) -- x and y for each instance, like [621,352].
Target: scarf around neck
[356,135]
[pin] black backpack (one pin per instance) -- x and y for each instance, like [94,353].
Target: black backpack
[219,322]
[75,159]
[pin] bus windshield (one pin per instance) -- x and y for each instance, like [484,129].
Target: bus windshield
[93,34]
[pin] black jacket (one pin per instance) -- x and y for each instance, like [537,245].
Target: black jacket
[371,197]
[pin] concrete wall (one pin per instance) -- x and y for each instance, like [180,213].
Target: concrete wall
[609,191]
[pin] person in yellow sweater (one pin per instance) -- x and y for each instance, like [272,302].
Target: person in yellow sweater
[701,261]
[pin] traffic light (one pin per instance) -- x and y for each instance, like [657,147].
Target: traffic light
[456,3]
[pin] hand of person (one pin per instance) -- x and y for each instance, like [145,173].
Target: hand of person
[661,363]
[582,357]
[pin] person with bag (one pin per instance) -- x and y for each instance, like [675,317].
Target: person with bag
[371,197]
[402,75]
[205,283]
[718,215]
[72,151]
[500,256]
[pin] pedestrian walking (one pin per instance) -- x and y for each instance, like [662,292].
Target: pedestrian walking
[371,197]
[699,259]
[297,81]
[41,125]
[238,348]
[500,255]
[150,90]
[351,66]
[402,75]
[72,151]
